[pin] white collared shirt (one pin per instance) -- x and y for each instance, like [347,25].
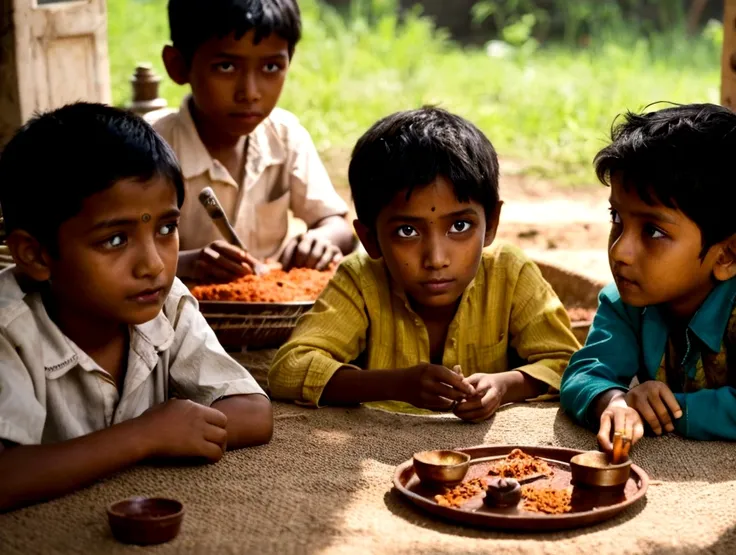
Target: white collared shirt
[51,390]
[283,172]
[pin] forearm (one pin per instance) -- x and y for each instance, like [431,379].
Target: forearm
[29,474]
[350,386]
[520,386]
[249,419]
[337,230]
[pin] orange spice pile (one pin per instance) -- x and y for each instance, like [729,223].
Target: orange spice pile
[298,284]
[462,493]
[546,500]
[520,465]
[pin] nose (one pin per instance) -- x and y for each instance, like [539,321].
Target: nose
[436,253]
[149,263]
[622,248]
[248,88]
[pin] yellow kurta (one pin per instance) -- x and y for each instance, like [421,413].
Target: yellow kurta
[508,318]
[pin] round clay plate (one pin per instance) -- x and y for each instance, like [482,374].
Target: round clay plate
[589,505]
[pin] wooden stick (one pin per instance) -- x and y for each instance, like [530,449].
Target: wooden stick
[618,438]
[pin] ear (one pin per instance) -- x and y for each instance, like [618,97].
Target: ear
[724,267]
[492,224]
[368,237]
[29,255]
[175,64]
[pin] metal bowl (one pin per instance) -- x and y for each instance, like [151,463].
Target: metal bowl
[442,467]
[594,469]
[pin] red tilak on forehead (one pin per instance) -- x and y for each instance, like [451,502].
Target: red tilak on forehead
[145,218]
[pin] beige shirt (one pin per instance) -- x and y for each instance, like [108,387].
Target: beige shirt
[51,391]
[282,172]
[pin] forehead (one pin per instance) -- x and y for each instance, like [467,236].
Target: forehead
[433,200]
[271,45]
[130,197]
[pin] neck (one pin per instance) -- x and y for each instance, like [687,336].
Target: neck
[679,312]
[212,137]
[435,314]
[92,335]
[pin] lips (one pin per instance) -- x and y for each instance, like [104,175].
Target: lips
[439,285]
[148,296]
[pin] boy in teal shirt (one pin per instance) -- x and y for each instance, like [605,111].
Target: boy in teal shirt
[669,319]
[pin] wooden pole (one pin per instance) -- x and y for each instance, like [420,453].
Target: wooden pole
[728,58]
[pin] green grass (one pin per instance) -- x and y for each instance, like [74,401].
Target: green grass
[551,109]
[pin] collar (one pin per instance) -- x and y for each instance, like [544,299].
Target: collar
[265,148]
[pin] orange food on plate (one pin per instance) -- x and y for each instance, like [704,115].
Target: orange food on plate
[462,493]
[546,500]
[277,286]
[520,465]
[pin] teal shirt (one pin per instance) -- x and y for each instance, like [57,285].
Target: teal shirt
[626,341]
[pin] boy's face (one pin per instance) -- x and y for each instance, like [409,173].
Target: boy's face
[117,258]
[235,83]
[654,254]
[431,243]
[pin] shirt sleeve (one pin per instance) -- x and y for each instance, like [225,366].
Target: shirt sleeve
[22,416]
[313,196]
[708,414]
[540,329]
[329,337]
[200,369]
[609,359]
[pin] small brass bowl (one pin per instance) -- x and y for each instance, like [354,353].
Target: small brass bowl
[145,520]
[446,468]
[593,469]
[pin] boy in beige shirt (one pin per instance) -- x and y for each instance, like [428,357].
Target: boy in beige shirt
[105,359]
[229,135]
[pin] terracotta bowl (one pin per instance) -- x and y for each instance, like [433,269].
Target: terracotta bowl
[593,469]
[442,468]
[145,520]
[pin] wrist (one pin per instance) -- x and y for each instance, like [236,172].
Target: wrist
[144,442]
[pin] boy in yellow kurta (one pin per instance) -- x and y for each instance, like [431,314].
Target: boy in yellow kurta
[432,316]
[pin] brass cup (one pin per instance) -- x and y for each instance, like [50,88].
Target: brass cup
[593,469]
[442,467]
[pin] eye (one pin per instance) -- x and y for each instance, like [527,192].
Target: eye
[115,242]
[654,232]
[461,226]
[225,67]
[168,229]
[406,231]
[272,67]
[615,218]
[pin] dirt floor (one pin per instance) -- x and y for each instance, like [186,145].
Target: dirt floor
[559,224]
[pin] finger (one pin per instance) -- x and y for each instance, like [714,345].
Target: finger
[211,451]
[207,272]
[604,432]
[488,405]
[288,254]
[215,417]
[447,376]
[234,254]
[438,389]
[327,258]
[215,258]
[646,412]
[671,402]
[659,408]
[638,431]
[315,254]
[215,434]
[301,255]
[435,402]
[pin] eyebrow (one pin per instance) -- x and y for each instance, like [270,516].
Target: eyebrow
[126,222]
[646,215]
[451,215]
[236,57]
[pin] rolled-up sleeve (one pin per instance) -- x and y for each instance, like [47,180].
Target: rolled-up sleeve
[313,197]
[22,416]
[609,359]
[327,338]
[540,329]
[200,369]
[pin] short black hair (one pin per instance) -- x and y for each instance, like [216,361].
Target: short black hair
[679,157]
[60,158]
[194,22]
[412,149]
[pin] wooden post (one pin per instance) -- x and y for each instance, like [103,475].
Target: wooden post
[728,58]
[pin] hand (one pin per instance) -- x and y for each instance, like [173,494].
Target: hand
[182,428]
[433,387]
[620,417]
[654,401]
[489,392]
[310,250]
[219,261]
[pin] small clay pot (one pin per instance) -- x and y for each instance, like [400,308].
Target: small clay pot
[502,493]
[144,520]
